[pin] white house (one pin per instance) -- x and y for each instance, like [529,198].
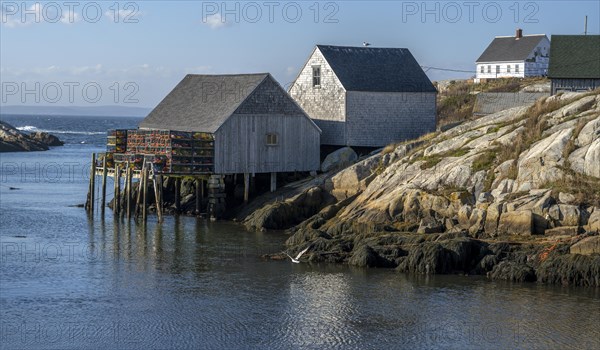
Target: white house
[516,56]
[365,96]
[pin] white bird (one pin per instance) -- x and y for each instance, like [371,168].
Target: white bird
[296,260]
[366,44]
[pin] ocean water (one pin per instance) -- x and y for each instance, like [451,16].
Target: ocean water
[71,282]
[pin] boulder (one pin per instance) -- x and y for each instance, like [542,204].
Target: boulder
[593,224]
[516,223]
[562,231]
[566,198]
[587,246]
[564,215]
[47,139]
[338,159]
[492,217]
[353,179]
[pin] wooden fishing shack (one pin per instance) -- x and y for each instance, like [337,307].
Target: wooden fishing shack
[213,126]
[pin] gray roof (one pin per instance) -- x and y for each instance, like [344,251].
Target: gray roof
[510,49]
[376,69]
[575,57]
[202,103]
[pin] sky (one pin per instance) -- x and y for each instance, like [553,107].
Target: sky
[133,53]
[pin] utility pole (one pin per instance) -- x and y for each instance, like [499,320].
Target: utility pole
[585,27]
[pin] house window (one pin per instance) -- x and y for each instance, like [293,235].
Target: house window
[489,68]
[516,68]
[497,69]
[316,76]
[482,69]
[508,68]
[272,139]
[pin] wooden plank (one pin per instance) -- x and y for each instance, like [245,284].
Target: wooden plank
[246,187]
[92,184]
[104,174]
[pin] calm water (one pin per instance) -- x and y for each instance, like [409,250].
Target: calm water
[70,283]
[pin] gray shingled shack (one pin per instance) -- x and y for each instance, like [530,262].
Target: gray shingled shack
[257,127]
[365,96]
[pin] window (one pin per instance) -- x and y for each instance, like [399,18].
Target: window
[316,76]
[489,68]
[271,139]
[508,68]
[482,69]
[497,69]
[516,68]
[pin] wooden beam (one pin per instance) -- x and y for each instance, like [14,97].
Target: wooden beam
[104,174]
[273,182]
[199,194]
[92,184]
[177,193]
[117,199]
[129,183]
[246,187]
[145,195]
[156,195]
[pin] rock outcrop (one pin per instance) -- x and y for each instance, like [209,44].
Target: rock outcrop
[12,140]
[526,176]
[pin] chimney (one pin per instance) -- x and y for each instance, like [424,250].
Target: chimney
[519,34]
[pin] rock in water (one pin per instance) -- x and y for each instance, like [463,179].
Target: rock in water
[338,159]
[46,138]
[12,140]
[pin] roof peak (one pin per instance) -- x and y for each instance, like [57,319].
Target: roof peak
[512,36]
[362,47]
[227,75]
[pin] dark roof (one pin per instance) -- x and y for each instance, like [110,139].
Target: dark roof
[202,103]
[575,56]
[376,69]
[509,48]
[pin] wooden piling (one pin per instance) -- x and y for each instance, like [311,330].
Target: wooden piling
[129,175]
[198,195]
[246,187]
[273,182]
[136,212]
[145,195]
[117,200]
[156,195]
[92,185]
[177,194]
[104,175]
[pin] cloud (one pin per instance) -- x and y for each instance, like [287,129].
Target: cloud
[13,17]
[216,21]
[128,15]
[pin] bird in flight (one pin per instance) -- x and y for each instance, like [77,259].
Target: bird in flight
[365,44]
[296,260]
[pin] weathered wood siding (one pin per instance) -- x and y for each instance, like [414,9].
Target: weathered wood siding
[376,119]
[241,147]
[574,85]
[241,142]
[326,104]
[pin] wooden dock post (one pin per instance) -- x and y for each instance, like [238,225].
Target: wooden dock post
[129,175]
[246,187]
[177,194]
[136,212]
[273,182]
[104,174]
[155,180]
[92,192]
[199,193]
[145,194]
[117,199]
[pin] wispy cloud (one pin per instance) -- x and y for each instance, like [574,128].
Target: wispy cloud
[12,17]
[216,21]
[128,15]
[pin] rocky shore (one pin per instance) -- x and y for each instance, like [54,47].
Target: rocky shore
[13,140]
[514,196]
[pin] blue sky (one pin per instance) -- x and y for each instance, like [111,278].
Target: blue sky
[87,44]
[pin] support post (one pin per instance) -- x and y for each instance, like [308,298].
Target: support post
[177,193]
[136,213]
[92,185]
[156,195]
[129,175]
[117,200]
[246,187]
[145,195]
[273,182]
[199,193]
[104,174]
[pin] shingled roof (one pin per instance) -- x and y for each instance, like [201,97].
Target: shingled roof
[376,69]
[202,103]
[509,48]
[575,56]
